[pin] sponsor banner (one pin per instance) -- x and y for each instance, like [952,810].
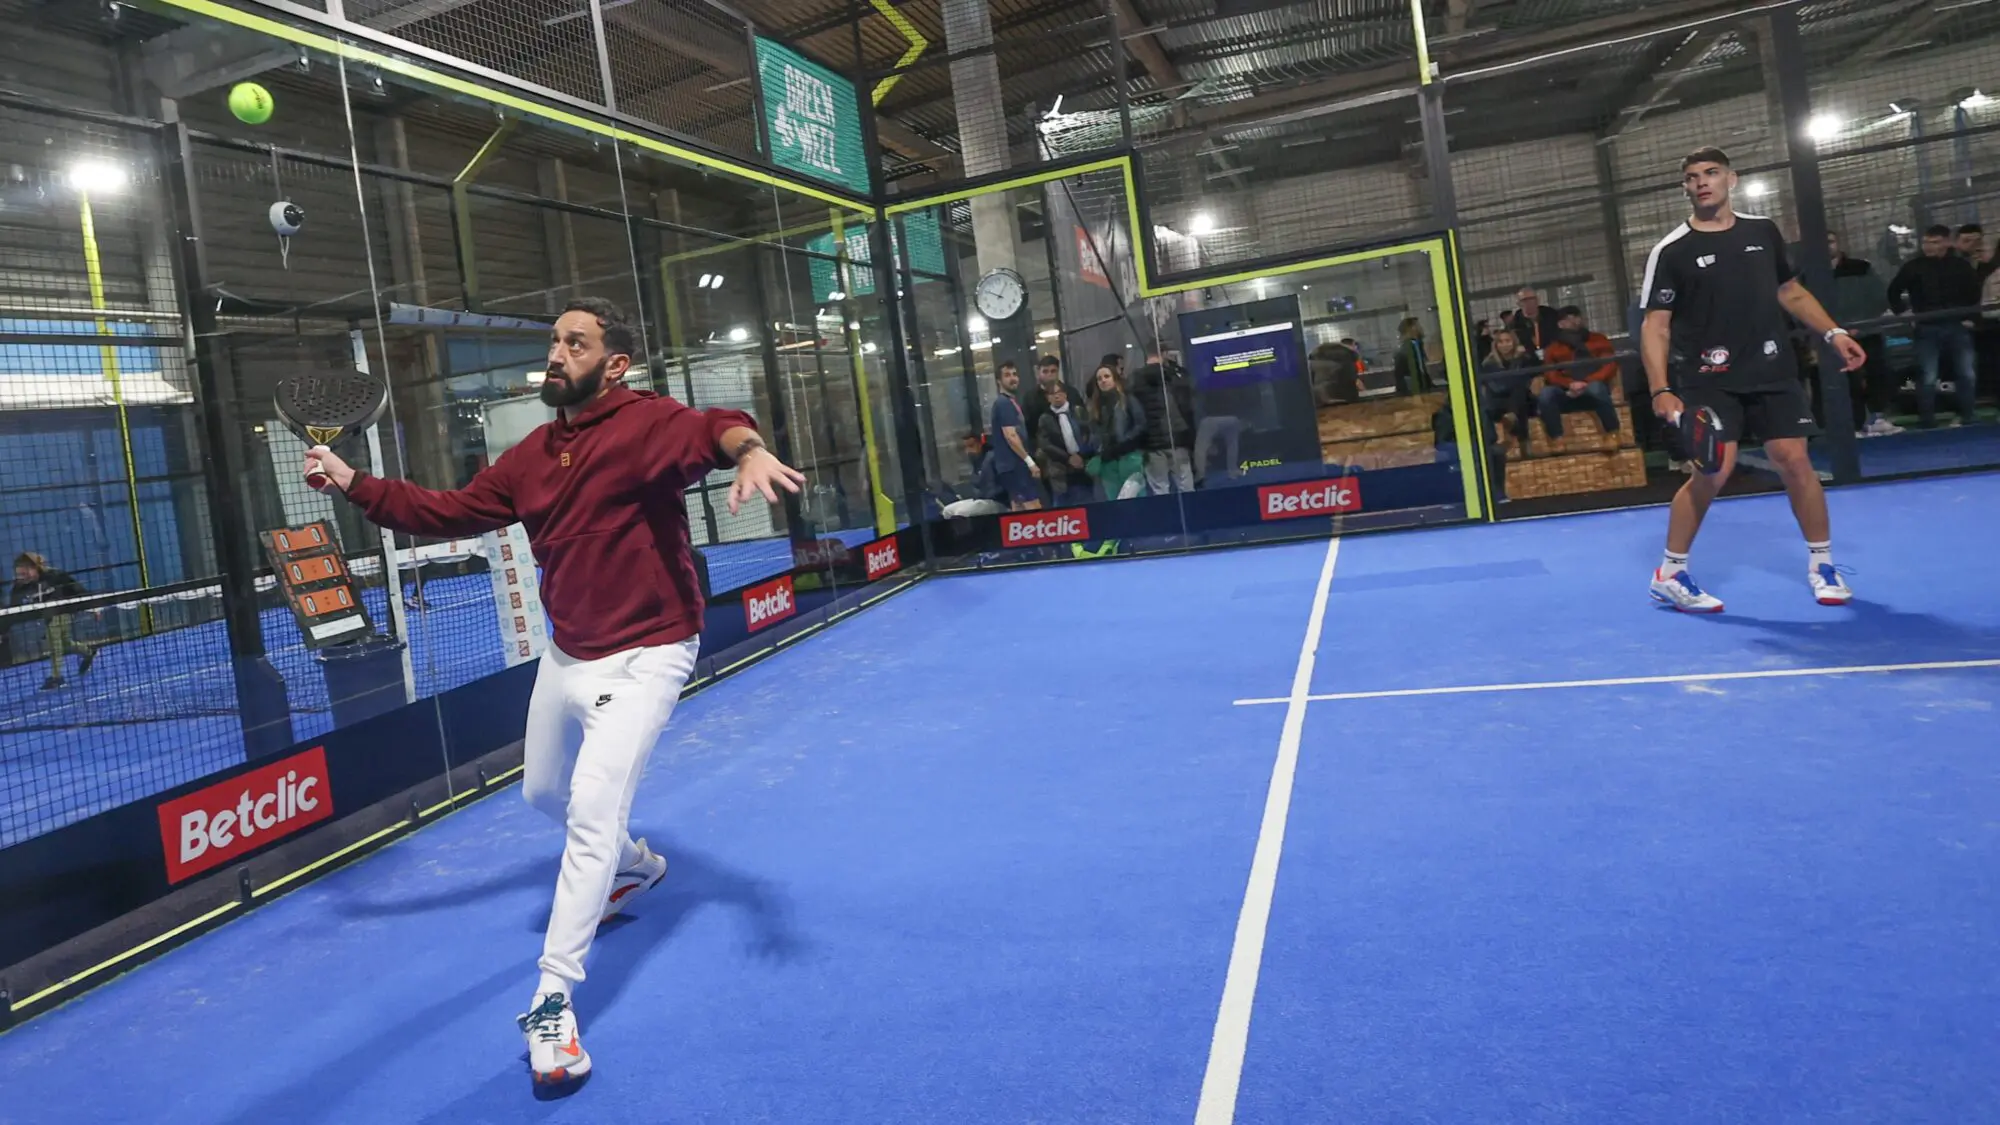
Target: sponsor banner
[820,554]
[1309,498]
[1032,529]
[209,827]
[770,603]
[517,594]
[883,557]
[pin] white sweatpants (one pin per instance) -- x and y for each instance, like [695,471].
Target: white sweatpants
[591,726]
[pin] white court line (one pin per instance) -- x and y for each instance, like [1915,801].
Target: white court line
[1689,678]
[1246,957]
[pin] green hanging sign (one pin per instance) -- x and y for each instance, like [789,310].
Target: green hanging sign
[812,117]
[926,255]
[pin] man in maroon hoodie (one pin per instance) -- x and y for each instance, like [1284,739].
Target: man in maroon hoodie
[600,492]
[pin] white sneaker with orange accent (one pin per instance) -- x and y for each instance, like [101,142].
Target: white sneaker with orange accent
[555,1054]
[629,884]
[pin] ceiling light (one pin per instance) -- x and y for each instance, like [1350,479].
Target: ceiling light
[97,177]
[738,335]
[1824,126]
[1202,224]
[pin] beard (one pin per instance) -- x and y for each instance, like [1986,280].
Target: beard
[558,391]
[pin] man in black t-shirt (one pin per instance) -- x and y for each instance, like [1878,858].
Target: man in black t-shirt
[1718,295]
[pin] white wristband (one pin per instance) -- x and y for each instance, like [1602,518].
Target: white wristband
[1835,331]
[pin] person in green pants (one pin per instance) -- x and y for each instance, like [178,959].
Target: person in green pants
[36,582]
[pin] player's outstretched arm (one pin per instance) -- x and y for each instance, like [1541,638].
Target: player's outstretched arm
[486,504]
[758,470]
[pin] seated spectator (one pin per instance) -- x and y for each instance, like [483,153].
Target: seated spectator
[1064,446]
[1119,423]
[1336,374]
[1533,322]
[982,494]
[36,582]
[1581,384]
[1502,393]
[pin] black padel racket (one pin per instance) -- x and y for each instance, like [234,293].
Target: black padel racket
[325,408]
[1701,434]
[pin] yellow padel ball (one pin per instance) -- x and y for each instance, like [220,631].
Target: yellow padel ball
[251,103]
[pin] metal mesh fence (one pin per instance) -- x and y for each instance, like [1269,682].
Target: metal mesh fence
[1332,180]
[683,65]
[546,43]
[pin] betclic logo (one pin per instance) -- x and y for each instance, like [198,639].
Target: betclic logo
[766,605]
[882,558]
[1032,529]
[1309,498]
[211,826]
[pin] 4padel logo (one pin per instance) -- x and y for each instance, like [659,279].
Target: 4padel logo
[766,605]
[882,558]
[209,827]
[1032,529]
[1309,498]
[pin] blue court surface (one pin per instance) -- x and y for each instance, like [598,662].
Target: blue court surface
[1084,843]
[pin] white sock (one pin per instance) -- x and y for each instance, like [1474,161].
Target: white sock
[1673,564]
[553,983]
[1821,553]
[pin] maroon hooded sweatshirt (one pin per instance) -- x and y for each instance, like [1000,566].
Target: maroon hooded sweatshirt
[601,497]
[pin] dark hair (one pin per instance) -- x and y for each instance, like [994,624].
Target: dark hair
[1113,360]
[1707,154]
[1937,230]
[1007,365]
[1972,228]
[1048,361]
[30,558]
[619,339]
[1569,311]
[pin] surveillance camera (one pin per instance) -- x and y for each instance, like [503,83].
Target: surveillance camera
[287,218]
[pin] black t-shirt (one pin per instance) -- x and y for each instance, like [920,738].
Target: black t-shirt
[1729,331]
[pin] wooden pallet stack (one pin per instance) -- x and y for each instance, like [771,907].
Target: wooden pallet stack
[1590,460]
[1382,433]
[1391,432]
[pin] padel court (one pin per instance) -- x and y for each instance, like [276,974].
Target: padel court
[1012,848]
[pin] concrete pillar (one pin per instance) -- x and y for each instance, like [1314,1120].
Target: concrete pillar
[982,125]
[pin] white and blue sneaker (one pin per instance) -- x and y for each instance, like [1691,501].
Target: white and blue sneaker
[629,884]
[555,1054]
[1679,590]
[1828,587]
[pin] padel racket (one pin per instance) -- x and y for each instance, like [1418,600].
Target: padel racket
[328,409]
[1701,435]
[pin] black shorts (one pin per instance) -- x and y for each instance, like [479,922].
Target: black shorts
[1780,411]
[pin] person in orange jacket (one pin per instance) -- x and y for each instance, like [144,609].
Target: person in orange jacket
[1584,380]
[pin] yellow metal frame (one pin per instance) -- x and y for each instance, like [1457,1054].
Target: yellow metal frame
[390,64]
[93,268]
[1441,250]
[908,31]
[882,507]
